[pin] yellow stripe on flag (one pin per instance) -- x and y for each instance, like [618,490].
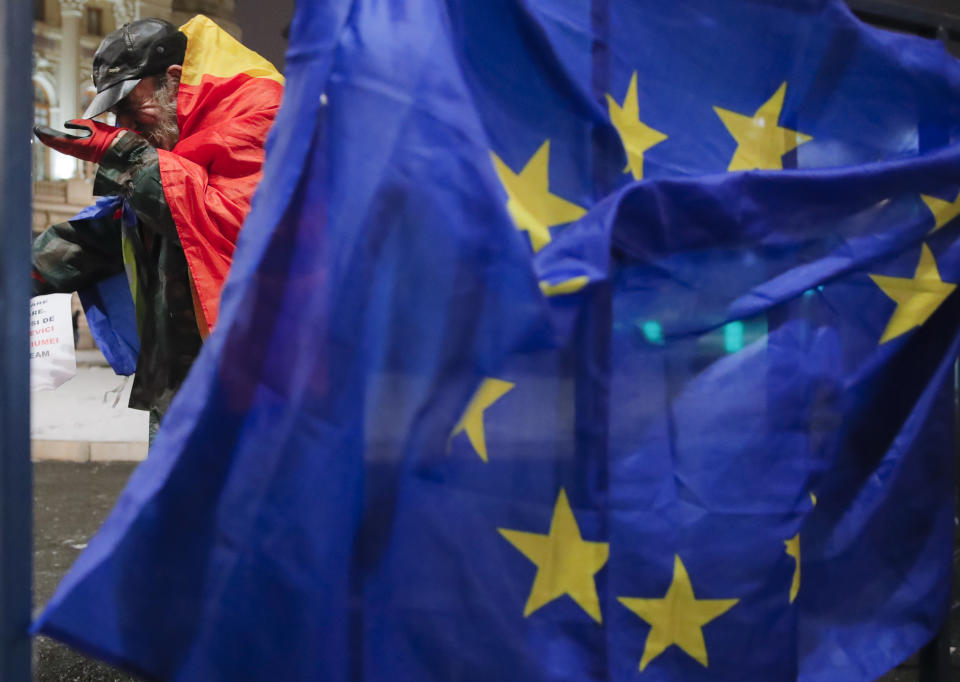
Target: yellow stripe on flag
[568,286]
[211,51]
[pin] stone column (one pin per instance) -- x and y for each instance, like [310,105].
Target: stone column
[70,13]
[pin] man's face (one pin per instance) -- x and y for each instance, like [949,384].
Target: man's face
[151,110]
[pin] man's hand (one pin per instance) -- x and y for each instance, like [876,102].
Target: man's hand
[93,142]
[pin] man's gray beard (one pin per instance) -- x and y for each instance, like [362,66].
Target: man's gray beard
[166,132]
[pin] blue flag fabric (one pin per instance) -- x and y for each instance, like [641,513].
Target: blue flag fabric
[108,305]
[703,433]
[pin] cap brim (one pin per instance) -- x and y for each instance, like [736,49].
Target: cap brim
[106,99]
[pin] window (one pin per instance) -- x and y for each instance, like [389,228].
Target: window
[93,21]
[41,117]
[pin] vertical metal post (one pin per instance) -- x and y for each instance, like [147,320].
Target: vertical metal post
[16,499]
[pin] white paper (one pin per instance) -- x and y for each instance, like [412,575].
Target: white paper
[53,359]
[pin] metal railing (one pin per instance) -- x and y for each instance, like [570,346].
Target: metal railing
[16,499]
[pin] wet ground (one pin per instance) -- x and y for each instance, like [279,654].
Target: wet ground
[72,500]
[70,503]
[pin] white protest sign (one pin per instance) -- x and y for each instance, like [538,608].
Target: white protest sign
[53,359]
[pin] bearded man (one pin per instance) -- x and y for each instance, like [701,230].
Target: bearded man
[193,108]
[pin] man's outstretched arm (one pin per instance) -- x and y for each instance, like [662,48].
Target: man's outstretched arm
[76,254]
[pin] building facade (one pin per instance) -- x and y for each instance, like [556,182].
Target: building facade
[66,34]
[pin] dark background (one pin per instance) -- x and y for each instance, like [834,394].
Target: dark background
[949,8]
[928,18]
[263,23]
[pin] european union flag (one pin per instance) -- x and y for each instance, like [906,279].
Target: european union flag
[565,341]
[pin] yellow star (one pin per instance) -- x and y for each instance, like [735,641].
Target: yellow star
[566,563]
[916,298]
[529,201]
[636,136]
[943,211]
[761,142]
[490,391]
[567,286]
[678,618]
[793,549]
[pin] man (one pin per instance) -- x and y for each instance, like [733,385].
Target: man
[193,108]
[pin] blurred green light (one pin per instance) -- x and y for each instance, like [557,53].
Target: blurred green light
[733,337]
[653,332]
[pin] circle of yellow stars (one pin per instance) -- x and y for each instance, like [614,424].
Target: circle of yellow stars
[566,562]
[761,144]
[536,210]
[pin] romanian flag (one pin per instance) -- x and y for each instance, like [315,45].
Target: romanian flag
[228,98]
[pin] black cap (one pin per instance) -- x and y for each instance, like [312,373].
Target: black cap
[145,47]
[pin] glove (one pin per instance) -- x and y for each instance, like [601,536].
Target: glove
[89,146]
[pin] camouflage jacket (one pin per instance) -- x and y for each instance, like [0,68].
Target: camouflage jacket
[76,254]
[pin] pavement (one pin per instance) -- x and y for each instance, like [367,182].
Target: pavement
[87,418]
[71,500]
